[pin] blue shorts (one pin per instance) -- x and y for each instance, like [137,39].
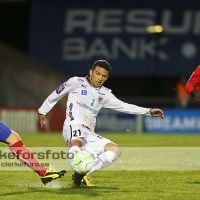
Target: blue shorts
[4,132]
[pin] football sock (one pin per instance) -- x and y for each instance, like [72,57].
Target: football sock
[72,150]
[103,160]
[25,156]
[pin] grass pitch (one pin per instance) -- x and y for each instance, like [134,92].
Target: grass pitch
[108,184]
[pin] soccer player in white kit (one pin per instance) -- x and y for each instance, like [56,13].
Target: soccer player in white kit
[86,96]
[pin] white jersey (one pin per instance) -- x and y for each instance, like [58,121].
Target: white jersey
[85,101]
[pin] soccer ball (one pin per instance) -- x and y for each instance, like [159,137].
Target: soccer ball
[82,162]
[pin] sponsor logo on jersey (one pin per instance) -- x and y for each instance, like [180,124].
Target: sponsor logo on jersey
[84,86]
[60,89]
[84,92]
[70,111]
[83,105]
[81,80]
[100,99]
[92,101]
[101,93]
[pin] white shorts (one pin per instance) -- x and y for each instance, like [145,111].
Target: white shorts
[92,142]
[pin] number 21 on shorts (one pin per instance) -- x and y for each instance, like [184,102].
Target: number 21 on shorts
[76,133]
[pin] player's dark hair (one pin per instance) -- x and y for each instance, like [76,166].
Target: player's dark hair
[103,64]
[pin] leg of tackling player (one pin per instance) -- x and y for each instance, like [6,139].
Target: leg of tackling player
[13,140]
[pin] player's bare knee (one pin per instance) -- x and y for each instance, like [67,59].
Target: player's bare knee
[76,142]
[117,151]
[13,138]
[114,148]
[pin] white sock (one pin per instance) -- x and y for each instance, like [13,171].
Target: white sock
[72,151]
[103,160]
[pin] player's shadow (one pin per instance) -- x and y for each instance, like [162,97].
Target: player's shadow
[87,191]
[195,182]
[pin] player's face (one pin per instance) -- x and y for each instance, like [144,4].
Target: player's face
[98,76]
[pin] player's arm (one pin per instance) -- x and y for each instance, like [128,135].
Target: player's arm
[53,98]
[118,105]
[41,119]
[196,93]
[190,89]
[156,112]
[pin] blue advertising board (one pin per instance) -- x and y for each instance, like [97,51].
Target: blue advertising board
[113,121]
[71,35]
[176,121]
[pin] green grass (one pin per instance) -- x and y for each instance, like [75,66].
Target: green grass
[108,184]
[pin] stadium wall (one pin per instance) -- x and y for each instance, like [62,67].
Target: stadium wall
[24,120]
[25,81]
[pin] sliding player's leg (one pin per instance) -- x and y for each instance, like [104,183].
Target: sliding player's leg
[106,151]
[103,159]
[75,146]
[74,136]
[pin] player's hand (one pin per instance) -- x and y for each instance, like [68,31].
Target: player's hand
[196,93]
[156,112]
[41,119]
